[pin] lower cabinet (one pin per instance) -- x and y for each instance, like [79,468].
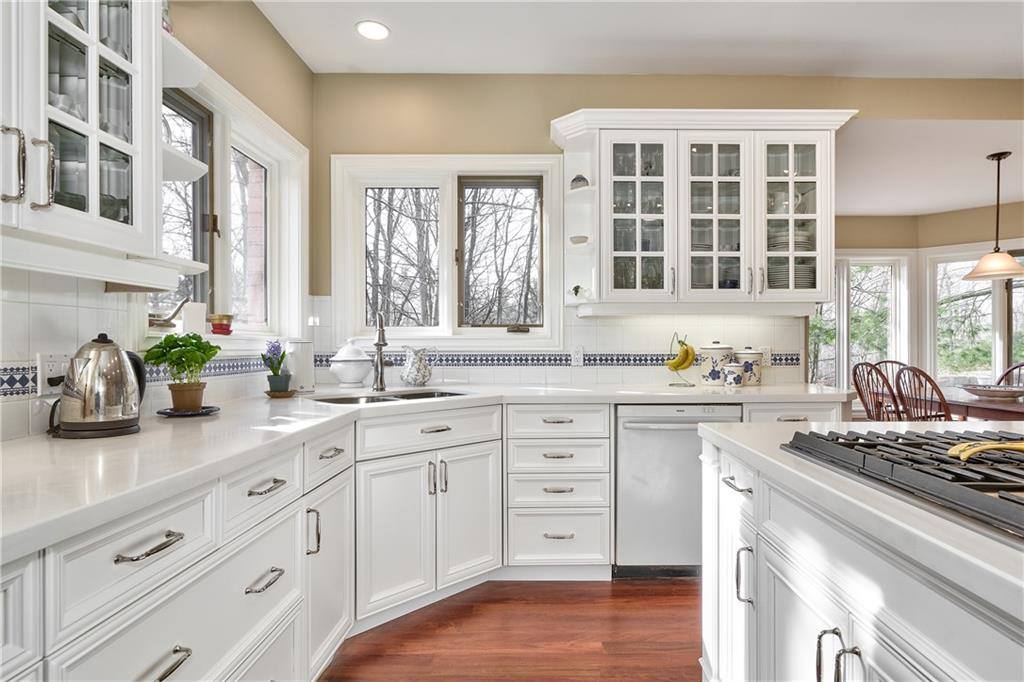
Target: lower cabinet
[425,521]
[278,656]
[737,606]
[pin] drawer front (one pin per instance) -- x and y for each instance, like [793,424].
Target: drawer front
[545,421]
[557,536]
[328,455]
[559,490]
[277,656]
[21,608]
[738,485]
[386,436]
[792,412]
[94,574]
[537,456]
[260,490]
[199,620]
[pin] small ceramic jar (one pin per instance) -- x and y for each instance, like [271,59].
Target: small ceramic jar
[350,365]
[732,374]
[713,359]
[752,361]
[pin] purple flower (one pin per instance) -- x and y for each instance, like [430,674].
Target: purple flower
[273,359]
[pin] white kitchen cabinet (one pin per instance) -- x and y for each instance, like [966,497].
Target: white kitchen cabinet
[875,657]
[738,566]
[13,145]
[796,413]
[330,568]
[21,608]
[468,512]
[278,655]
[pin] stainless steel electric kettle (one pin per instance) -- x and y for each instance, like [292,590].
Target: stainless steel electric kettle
[101,393]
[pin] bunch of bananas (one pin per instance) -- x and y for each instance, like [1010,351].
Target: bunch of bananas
[683,359]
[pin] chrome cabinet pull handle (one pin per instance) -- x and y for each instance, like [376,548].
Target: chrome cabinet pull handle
[854,650]
[331,453]
[792,418]
[557,420]
[431,478]
[184,652]
[750,278]
[310,510]
[560,536]
[9,130]
[739,577]
[730,481]
[760,289]
[559,489]
[673,271]
[436,429]
[172,537]
[817,660]
[275,483]
[275,575]
[558,455]
[51,174]
[444,476]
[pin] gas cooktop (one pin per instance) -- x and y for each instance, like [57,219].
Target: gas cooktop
[988,486]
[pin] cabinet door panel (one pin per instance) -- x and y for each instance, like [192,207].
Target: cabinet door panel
[468,512]
[395,513]
[736,614]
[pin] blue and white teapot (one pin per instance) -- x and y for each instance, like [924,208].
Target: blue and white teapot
[713,359]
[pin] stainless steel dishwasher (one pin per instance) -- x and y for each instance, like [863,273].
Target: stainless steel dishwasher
[657,517]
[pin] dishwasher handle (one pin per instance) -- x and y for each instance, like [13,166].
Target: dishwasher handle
[660,426]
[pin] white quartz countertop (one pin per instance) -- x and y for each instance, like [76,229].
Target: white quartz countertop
[53,489]
[965,553]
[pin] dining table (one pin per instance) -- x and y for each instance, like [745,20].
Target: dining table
[964,404]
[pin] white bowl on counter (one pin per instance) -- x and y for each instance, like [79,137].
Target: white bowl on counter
[351,365]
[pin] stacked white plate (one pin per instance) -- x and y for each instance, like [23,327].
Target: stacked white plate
[804,276]
[778,278]
[781,243]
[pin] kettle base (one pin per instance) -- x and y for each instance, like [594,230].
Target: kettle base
[58,432]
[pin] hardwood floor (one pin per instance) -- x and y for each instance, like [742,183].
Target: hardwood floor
[633,629]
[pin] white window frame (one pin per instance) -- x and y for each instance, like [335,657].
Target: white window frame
[351,174]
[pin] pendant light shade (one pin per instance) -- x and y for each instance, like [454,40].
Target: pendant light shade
[998,264]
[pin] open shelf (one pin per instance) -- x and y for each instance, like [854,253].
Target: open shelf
[181,166]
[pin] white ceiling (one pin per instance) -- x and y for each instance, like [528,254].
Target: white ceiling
[887,167]
[880,39]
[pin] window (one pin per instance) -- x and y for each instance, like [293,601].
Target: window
[499,252]
[248,238]
[963,325]
[871,333]
[821,345]
[1014,351]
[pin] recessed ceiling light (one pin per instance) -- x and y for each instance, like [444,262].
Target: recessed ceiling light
[373,30]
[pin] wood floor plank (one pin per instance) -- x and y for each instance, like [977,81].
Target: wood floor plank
[647,630]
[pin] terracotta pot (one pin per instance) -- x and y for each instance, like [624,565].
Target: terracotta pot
[187,397]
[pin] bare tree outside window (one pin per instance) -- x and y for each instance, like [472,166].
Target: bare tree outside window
[963,326]
[248,239]
[500,252]
[821,345]
[401,255]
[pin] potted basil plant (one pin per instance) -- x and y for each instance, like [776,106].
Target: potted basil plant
[273,359]
[185,356]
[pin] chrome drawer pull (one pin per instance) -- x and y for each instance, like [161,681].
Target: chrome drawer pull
[817,660]
[739,578]
[331,453]
[274,485]
[310,510]
[172,537]
[8,130]
[730,481]
[560,536]
[431,478]
[855,650]
[791,419]
[51,174]
[557,420]
[435,429]
[554,489]
[275,575]
[558,455]
[185,653]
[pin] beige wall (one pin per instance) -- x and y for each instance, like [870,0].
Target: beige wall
[935,229]
[876,232]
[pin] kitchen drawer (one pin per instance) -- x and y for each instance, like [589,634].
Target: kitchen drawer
[201,619]
[738,485]
[559,490]
[257,492]
[328,455]
[278,655]
[797,413]
[559,536]
[92,575]
[21,611]
[537,456]
[545,421]
[384,436]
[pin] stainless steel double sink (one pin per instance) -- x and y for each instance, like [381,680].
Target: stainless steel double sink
[390,398]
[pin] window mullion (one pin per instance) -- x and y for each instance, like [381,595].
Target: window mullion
[842,323]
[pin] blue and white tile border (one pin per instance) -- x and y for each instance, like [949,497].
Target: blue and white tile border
[18,379]
[519,359]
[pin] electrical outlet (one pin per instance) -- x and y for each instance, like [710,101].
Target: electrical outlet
[767,352]
[49,366]
[577,357]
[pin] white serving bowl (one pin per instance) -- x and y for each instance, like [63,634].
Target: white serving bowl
[351,365]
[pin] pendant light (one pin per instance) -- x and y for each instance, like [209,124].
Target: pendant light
[998,264]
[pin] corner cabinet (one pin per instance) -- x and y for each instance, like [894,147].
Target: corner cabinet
[699,207]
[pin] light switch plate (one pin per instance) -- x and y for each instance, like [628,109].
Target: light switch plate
[577,357]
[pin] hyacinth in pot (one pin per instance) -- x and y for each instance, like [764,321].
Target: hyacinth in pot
[185,356]
[273,359]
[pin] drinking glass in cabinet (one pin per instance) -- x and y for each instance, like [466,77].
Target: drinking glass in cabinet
[805,198]
[623,159]
[115,101]
[701,197]
[71,157]
[116,26]
[624,197]
[701,271]
[778,272]
[67,77]
[805,235]
[729,160]
[778,160]
[729,198]
[652,197]
[778,197]
[805,272]
[625,234]
[115,185]
[778,234]
[701,159]
[75,11]
[728,234]
[729,272]
[624,272]
[652,160]
[652,235]
[652,272]
[804,160]
[701,234]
